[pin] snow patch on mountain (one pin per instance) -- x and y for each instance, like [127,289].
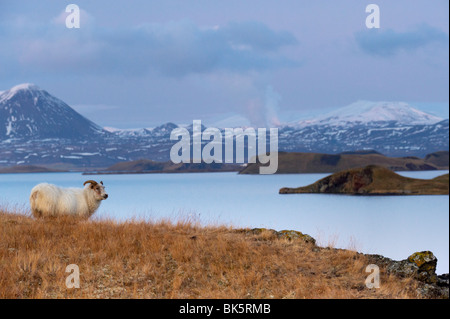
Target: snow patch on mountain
[8,94]
[24,86]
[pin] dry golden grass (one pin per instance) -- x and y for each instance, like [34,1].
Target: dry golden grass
[174,260]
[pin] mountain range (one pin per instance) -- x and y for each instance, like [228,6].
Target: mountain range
[37,128]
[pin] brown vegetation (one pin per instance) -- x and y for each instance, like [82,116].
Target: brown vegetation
[374,180]
[176,260]
[296,163]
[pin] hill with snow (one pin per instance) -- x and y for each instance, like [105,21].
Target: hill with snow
[364,112]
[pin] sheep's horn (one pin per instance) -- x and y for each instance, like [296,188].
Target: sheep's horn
[90,181]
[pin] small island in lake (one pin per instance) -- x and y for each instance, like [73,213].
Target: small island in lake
[373,180]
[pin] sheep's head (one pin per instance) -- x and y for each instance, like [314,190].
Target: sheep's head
[98,189]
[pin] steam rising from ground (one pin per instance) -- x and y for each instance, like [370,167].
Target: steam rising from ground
[264,114]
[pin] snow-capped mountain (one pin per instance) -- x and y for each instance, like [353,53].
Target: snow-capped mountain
[365,112]
[387,137]
[26,111]
[161,130]
[136,132]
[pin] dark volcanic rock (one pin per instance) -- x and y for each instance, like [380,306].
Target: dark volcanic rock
[420,266]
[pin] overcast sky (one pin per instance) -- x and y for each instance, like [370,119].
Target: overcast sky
[142,63]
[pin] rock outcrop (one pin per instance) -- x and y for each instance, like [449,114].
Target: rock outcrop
[283,234]
[421,266]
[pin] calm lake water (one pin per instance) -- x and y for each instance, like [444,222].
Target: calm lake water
[393,226]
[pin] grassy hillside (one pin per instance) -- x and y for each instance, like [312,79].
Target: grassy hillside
[439,159]
[176,260]
[374,180]
[291,163]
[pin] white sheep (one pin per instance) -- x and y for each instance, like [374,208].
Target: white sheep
[49,200]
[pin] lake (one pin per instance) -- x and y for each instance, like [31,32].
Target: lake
[393,226]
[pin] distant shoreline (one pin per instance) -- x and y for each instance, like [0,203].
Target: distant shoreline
[29,169]
[288,163]
[160,172]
